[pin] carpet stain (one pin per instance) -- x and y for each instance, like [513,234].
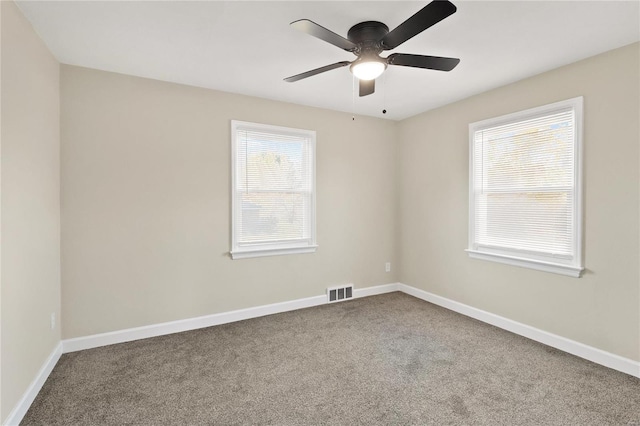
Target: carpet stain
[458,406]
[412,355]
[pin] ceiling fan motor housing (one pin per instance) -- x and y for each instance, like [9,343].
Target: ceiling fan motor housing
[367,35]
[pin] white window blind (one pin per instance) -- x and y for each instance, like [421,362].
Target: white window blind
[525,189]
[273,190]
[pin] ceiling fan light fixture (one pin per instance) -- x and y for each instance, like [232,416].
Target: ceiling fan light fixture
[368,39]
[368,70]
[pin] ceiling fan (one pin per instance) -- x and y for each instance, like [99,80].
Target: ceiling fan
[368,39]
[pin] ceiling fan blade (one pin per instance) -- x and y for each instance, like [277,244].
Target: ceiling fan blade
[421,61]
[429,15]
[311,28]
[316,71]
[367,87]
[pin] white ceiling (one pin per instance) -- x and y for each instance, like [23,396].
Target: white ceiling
[248,47]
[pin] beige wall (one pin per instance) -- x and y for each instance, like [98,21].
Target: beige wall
[30,204]
[146,203]
[602,308]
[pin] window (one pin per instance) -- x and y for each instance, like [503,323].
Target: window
[525,188]
[273,190]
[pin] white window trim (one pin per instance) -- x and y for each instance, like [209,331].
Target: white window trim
[261,249]
[511,257]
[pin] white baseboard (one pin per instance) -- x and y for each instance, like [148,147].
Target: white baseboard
[18,412]
[590,353]
[130,334]
[372,291]
[137,333]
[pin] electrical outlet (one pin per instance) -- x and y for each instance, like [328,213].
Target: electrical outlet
[53,320]
[387,267]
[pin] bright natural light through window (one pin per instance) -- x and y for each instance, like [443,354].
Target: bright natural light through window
[273,190]
[525,188]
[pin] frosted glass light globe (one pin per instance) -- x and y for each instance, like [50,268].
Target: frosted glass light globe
[368,70]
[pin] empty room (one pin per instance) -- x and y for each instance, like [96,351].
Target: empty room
[320,212]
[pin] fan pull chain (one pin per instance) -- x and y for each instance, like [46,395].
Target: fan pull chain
[353,99]
[384,93]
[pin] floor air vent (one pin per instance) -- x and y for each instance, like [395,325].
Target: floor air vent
[338,294]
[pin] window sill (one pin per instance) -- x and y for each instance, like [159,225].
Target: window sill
[261,252]
[556,268]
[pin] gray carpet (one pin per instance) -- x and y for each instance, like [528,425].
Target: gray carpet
[382,360]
